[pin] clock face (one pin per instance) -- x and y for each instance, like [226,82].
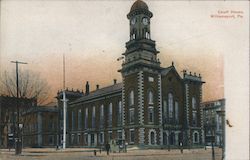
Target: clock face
[145,21]
[133,21]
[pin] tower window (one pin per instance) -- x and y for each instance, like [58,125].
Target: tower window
[151,114]
[150,97]
[132,115]
[131,98]
[152,138]
[132,136]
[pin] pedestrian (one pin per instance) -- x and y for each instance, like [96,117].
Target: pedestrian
[181,147]
[107,148]
[126,144]
[100,150]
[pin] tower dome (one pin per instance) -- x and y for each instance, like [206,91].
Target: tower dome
[139,5]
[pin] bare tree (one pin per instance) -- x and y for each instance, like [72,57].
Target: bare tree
[31,85]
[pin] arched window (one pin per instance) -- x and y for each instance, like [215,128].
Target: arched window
[195,137]
[152,138]
[170,105]
[131,98]
[150,97]
[194,111]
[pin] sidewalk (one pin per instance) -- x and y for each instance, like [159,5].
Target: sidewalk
[88,153]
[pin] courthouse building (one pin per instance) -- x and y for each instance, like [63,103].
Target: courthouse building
[153,106]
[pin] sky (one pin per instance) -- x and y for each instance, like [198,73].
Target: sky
[92,35]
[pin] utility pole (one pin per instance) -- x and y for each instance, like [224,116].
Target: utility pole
[64,106]
[18,149]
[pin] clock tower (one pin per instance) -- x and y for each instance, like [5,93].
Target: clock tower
[141,73]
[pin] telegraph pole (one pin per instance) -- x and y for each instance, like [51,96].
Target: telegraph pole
[64,106]
[18,148]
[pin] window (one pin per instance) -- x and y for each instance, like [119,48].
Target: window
[93,117]
[194,103]
[165,112]
[86,118]
[150,97]
[170,105]
[194,112]
[101,116]
[194,121]
[72,138]
[120,113]
[131,98]
[152,138]
[132,136]
[195,137]
[50,125]
[51,140]
[110,115]
[92,139]
[101,138]
[176,112]
[73,120]
[110,135]
[86,138]
[78,138]
[119,133]
[79,119]
[131,115]
[151,114]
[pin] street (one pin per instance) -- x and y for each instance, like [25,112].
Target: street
[88,154]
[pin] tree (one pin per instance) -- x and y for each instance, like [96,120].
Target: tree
[31,85]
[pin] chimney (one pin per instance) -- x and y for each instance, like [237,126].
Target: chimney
[97,86]
[115,81]
[87,88]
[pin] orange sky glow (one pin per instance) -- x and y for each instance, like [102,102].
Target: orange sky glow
[92,35]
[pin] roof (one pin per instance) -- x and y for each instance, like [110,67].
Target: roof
[100,92]
[213,101]
[139,4]
[165,71]
[40,109]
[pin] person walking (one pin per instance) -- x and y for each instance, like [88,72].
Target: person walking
[181,147]
[107,148]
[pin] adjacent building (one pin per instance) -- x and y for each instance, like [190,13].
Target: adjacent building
[153,106]
[8,117]
[214,121]
[40,126]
